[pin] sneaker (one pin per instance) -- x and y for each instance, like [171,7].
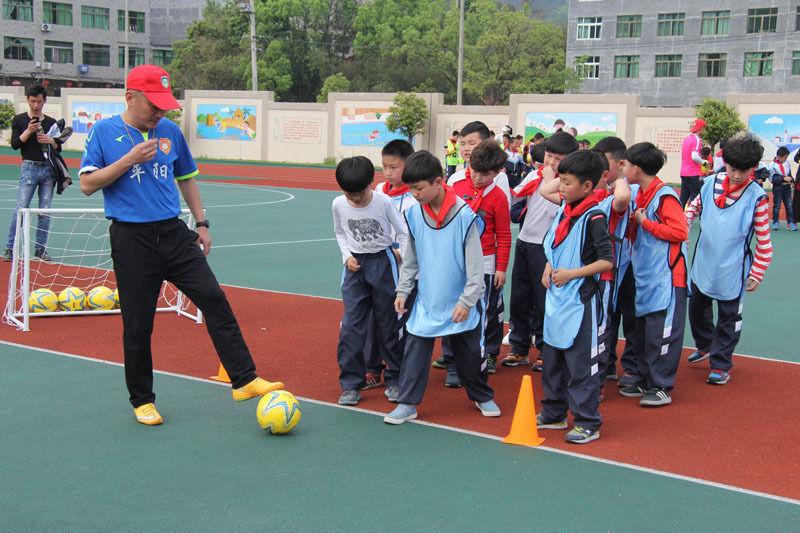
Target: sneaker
[627,380]
[611,375]
[402,413]
[792,227]
[718,377]
[372,380]
[537,365]
[148,415]
[392,393]
[42,255]
[488,408]
[697,356]
[349,397]
[776,226]
[655,398]
[257,387]
[491,364]
[506,340]
[452,380]
[8,255]
[512,360]
[579,435]
[632,391]
[541,423]
[440,363]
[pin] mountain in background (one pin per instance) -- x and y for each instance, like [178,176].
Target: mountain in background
[552,10]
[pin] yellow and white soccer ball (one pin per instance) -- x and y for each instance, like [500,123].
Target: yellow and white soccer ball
[278,412]
[72,299]
[42,301]
[101,298]
[116,298]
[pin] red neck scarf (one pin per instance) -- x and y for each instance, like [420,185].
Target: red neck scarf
[643,199]
[530,187]
[572,213]
[780,166]
[448,202]
[395,191]
[476,197]
[728,191]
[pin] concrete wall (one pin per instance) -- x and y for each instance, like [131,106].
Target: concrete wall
[297,133]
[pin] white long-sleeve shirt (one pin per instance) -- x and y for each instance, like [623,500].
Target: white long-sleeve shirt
[368,229]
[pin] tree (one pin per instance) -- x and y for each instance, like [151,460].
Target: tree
[722,120]
[408,115]
[336,83]
[7,113]
[175,116]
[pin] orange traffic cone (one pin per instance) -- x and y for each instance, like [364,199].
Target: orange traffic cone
[222,375]
[523,426]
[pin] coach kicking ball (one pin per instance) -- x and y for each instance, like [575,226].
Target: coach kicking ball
[135,159]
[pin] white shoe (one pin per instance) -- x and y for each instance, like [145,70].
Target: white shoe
[506,341]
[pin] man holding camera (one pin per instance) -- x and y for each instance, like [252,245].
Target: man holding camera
[28,135]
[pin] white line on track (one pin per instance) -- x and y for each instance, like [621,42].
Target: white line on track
[628,466]
[270,243]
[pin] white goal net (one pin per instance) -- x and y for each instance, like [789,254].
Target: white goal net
[78,258]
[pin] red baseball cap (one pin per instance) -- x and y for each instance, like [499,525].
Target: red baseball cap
[698,125]
[154,82]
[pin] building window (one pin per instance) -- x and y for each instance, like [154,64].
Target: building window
[797,20]
[162,57]
[588,67]
[21,10]
[135,56]
[97,54]
[135,21]
[668,65]
[94,17]
[757,64]
[18,48]
[762,20]
[589,28]
[58,52]
[626,66]
[629,26]
[715,23]
[57,13]
[711,65]
[796,63]
[670,24]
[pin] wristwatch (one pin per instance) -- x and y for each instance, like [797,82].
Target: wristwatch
[202,224]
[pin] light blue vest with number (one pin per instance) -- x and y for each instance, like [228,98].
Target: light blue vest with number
[650,260]
[722,255]
[442,273]
[563,309]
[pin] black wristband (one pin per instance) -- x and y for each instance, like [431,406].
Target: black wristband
[202,224]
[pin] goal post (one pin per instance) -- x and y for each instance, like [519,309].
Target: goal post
[79,253]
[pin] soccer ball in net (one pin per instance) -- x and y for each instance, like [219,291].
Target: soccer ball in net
[278,412]
[101,298]
[42,301]
[72,299]
[116,298]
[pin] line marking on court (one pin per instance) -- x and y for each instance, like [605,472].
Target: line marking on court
[488,436]
[747,356]
[269,244]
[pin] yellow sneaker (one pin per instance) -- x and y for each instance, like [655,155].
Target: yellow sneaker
[257,387]
[148,415]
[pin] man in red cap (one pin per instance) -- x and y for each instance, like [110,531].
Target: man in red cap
[691,161]
[135,159]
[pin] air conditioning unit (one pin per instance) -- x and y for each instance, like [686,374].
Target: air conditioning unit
[38,64]
[46,65]
[45,27]
[83,69]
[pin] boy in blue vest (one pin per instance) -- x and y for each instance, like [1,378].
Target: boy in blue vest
[578,249]
[658,232]
[444,250]
[732,209]
[780,174]
[364,223]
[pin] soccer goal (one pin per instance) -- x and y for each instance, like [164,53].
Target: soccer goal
[79,253]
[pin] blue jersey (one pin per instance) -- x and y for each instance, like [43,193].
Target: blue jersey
[146,192]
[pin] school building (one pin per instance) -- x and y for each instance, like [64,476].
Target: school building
[82,43]
[675,53]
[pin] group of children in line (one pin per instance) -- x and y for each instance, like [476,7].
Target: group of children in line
[602,243]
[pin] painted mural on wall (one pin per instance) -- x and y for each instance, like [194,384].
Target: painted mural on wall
[226,122]
[591,126]
[86,114]
[775,131]
[366,126]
